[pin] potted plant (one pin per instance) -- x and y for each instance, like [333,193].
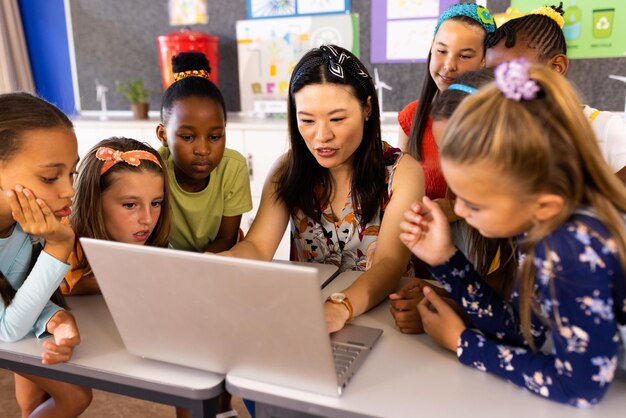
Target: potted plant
[137,96]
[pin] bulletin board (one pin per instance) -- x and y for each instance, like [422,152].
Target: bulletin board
[268,50]
[593,28]
[402,30]
[132,52]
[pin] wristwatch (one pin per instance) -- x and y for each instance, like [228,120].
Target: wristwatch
[341,298]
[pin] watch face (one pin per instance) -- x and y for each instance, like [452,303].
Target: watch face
[337,297]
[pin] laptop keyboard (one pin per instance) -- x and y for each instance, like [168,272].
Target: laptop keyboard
[344,356]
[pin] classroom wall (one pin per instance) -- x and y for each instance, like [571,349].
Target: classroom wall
[115,40]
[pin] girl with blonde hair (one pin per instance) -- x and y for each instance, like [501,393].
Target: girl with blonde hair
[520,158]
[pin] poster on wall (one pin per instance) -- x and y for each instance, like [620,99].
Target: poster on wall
[402,30]
[268,49]
[289,8]
[593,28]
[188,12]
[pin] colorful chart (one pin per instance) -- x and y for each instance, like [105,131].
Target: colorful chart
[268,49]
[593,28]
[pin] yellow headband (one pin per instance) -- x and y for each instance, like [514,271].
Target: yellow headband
[191,73]
[551,13]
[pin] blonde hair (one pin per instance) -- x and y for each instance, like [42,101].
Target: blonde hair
[87,219]
[545,145]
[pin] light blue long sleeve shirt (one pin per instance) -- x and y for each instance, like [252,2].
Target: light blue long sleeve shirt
[31,308]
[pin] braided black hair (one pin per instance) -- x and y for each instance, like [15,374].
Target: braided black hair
[537,31]
[190,86]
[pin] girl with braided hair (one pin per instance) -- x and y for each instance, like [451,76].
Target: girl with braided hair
[539,38]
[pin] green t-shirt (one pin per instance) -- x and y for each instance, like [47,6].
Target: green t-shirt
[196,217]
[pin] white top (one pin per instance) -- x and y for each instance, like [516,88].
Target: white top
[31,308]
[610,130]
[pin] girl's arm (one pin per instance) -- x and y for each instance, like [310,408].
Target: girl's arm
[575,294]
[391,257]
[579,301]
[226,236]
[426,231]
[26,312]
[31,309]
[268,227]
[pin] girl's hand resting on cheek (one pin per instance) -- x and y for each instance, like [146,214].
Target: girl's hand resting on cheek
[65,332]
[426,232]
[36,218]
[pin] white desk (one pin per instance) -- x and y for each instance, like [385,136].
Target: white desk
[410,376]
[102,362]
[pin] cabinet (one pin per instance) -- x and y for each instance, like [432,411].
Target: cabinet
[261,141]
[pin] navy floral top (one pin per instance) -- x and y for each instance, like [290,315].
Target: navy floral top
[581,291]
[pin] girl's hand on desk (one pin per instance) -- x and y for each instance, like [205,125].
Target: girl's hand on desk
[404,307]
[63,327]
[336,316]
[426,232]
[440,321]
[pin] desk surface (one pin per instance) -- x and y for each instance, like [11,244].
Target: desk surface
[102,356]
[410,375]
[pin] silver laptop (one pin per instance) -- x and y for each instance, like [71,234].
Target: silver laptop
[259,320]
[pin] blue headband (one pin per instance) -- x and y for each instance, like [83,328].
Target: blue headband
[462,87]
[480,14]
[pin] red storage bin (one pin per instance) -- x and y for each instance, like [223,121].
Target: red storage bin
[187,40]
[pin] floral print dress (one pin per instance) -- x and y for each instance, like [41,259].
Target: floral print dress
[344,243]
[580,287]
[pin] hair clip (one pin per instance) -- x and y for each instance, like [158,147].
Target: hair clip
[191,73]
[551,13]
[337,62]
[513,80]
[463,87]
[480,14]
[112,157]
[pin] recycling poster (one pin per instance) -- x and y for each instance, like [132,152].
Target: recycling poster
[593,28]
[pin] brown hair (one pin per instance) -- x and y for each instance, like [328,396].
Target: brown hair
[428,92]
[86,217]
[481,251]
[20,113]
[544,145]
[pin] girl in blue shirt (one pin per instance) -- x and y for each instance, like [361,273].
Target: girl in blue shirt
[38,157]
[522,160]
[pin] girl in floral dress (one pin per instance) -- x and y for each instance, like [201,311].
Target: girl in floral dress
[522,160]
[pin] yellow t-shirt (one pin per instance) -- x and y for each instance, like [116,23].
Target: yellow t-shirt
[196,217]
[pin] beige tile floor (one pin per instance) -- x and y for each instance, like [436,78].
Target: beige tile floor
[104,404]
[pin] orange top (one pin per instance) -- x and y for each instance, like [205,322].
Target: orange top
[73,276]
[435,183]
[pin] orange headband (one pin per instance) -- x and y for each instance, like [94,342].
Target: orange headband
[191,73]
[112,157]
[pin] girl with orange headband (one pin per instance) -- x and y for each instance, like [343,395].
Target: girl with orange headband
[122,194]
